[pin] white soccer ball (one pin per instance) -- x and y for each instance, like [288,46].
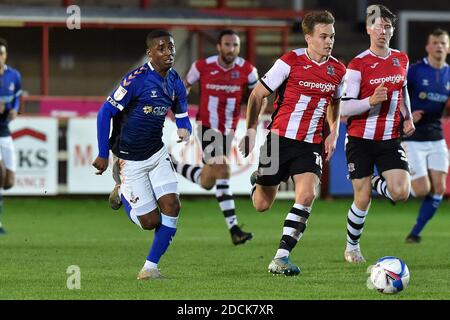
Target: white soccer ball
[389,275]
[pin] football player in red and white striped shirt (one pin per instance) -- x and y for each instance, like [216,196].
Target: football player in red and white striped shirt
[223,80]
[308,84]
[374,100]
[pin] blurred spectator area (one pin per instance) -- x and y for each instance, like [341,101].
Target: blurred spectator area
[90,62]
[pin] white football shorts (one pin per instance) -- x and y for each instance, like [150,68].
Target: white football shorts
[8,153]
[426,155]
[144,182]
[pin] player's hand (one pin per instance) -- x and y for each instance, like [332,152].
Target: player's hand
[101,164]
[12,114]
[247,143]
[2,107]
[184,135]
[417,115]
[330,145]
[408,127]
[379,95]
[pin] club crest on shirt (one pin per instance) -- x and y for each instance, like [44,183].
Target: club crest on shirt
[351,167]
[395,62]
[330,70]
[11,86]
[234,74]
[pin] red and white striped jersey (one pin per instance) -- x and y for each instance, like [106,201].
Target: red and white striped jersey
[221,91]
[305,89]
[366,72]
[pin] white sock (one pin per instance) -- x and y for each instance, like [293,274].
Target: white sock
[150,265]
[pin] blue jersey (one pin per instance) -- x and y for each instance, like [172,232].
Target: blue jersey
[139,106]
[10,92]
[429,89]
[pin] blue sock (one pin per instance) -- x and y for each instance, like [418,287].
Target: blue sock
[429,206]
[126,206]
[163,236]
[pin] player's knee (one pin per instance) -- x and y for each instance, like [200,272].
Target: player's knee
[439,189]
[399,193]
[262,206]
[171,208]
[421,191]
[306,198]
[208,186]
[150,221]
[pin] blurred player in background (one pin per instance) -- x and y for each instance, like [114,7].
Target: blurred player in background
[222,79]
[148,187]
[375,95]
[308,84]
[429,89]
[10,92]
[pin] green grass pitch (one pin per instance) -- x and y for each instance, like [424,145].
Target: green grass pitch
[45,236]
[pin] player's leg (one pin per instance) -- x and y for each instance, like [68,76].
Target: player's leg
[203,175]
[7,169]
[356,217]
[2,181]
[295,223]
[305,168]
[437,161]
[360,163]
[394,182]
[164,186]
[114,197]
[140,203]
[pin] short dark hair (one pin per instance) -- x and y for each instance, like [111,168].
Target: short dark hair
[4,43]
[157,33]
[439,32]
[379,11]
[316,17]
[226,32]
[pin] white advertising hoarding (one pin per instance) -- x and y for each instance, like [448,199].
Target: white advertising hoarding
[36,150]
[82,150]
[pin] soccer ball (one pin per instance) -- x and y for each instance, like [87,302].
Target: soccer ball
[388,275]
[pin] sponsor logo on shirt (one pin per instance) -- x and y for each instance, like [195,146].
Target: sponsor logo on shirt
[156,111]
[324,87]
[11,86]
[433,96]
[153,95]
[307,67]
[220,87]
[214,72]
[397,78]
[374,65]
[120,93]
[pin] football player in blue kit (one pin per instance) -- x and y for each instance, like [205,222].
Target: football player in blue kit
[149,186]
[429,89]
[10,92]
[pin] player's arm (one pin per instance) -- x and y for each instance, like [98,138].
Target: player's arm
[266,86]
[114,104]
[192,77]
[405,109]
[15,104]
[334,120]
[256,102]
[351,105]
[180,110]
